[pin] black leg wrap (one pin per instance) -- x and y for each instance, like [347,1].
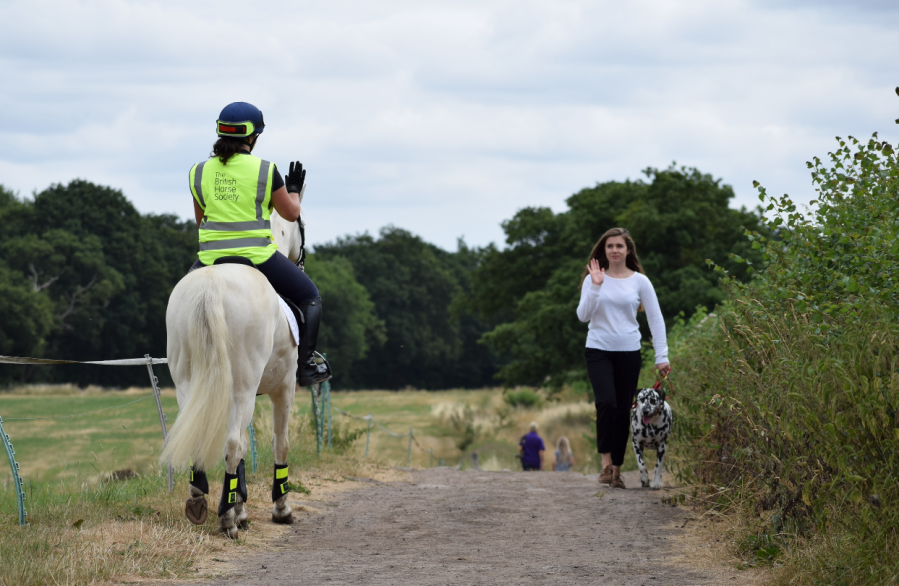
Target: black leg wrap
[198,480]
[280,486]
[242,481]
[229,494]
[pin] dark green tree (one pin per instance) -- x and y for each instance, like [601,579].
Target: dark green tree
[105,271]
[413,284]
[349,326]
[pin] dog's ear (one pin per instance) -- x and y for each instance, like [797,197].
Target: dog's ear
[662,394]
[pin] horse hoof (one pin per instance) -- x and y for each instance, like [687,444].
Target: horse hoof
[195,509]
[230,533]
[243,524]
[285,520]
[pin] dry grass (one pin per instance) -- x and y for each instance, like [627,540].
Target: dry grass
[705,542]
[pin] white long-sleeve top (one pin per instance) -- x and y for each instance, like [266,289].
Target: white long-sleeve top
[611,309]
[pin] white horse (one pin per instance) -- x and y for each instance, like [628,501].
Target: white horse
[228,340]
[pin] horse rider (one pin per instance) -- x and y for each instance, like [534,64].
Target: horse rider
[233,194]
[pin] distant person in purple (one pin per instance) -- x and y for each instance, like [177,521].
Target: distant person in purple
[531,449]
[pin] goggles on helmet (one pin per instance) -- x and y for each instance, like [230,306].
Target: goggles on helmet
[240,120]
[235,129]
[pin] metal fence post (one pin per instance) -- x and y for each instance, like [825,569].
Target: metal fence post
[326,389]
[162,419]
[330,420]
[322,399]
[16,479]
[409,459]
[368,434]
[317,418]
[254,464]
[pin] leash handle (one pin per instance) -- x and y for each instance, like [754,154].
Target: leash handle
[663,380]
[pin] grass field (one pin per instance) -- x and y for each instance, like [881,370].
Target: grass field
[82,446]
[438,420]
[86,526]
[96,432]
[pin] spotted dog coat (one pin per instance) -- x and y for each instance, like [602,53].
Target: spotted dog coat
[650,425]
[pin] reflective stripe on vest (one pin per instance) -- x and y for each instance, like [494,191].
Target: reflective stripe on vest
[235,198]
[234,243]
[198,184]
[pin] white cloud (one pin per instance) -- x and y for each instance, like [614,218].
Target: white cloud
[441,118]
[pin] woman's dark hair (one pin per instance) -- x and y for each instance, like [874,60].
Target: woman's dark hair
[599,252]
[226,147]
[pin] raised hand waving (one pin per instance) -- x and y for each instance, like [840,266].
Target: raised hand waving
[597,274]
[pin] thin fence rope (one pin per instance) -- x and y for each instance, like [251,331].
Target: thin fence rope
[390,432]
[342,412]
[118,362]
[75,415]
[376,422]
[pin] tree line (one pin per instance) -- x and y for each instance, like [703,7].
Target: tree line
[85,276]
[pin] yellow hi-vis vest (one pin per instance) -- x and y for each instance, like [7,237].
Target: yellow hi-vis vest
[235,198]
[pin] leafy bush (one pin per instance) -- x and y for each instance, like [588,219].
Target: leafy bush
[344,436]
[523,398]
[463,422]
[788,396]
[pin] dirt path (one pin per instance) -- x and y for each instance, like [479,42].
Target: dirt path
[451,527]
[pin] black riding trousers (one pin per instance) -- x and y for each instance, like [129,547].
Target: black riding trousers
[614,376]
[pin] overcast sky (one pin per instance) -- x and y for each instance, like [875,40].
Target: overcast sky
[442,118]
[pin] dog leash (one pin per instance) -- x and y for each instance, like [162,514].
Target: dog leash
[665,379]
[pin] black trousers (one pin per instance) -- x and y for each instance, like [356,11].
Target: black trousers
[614,376]
[285,277]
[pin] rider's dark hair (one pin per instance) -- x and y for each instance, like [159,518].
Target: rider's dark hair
[226,147]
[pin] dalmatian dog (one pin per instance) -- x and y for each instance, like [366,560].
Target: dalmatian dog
[650,425]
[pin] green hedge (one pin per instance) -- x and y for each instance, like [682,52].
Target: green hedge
[788,394]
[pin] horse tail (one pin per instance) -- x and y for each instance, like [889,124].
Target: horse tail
[201,430]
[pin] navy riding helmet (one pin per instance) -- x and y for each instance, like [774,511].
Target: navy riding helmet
[240,120]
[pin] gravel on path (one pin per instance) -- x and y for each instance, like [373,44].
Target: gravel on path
[471,527]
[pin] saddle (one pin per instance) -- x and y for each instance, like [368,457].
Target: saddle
[239,260]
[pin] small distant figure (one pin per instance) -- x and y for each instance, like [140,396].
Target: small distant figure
[563,459]
[531,448]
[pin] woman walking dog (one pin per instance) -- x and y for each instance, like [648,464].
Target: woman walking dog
[614,287]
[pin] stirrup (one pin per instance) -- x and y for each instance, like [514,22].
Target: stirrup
[322,371]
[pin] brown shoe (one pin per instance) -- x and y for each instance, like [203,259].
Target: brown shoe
[606,476]
[616,481]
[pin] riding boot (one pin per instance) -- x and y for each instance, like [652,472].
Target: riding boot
[312,368]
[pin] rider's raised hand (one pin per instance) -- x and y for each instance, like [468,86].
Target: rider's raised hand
[295,178]
[597,274]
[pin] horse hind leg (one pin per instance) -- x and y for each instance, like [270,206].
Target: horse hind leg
[196,508]
[234,489]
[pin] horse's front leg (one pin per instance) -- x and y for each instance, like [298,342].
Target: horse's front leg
[234,490]
[281,403]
